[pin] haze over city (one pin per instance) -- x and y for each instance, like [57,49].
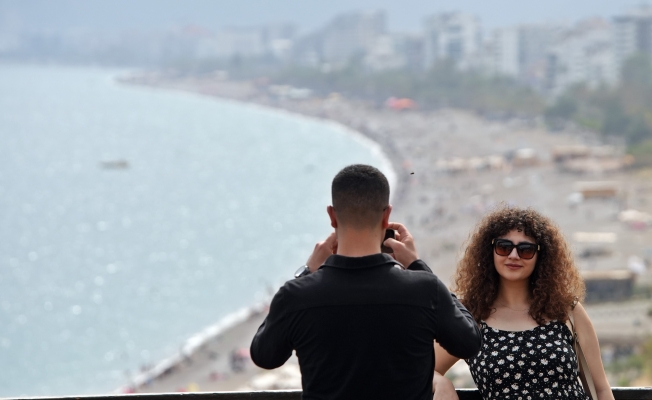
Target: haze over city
[403,15]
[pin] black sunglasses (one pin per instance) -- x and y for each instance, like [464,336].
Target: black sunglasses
[504,247]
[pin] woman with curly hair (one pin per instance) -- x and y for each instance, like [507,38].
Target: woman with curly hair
[518,279]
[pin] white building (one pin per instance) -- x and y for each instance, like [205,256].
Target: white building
[499,54]
[583,55]
[352,34]
[395,51]
[633,33]
[535,41]
[451,36]
[279,39]
[244,42]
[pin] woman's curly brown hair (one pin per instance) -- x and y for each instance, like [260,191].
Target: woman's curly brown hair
[554,283]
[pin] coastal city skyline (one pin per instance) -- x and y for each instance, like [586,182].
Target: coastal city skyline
[549,56]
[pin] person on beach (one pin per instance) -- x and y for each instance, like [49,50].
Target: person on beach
[518,279]
[362,322]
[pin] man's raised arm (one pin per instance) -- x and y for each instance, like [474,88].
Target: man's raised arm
[457,331]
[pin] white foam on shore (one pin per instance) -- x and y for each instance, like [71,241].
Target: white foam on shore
[194,343]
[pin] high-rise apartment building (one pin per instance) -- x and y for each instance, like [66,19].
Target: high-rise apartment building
[498,54]
[633,33]
[394,51]
[584,54]
[451,36]
[534,42]
[352,34]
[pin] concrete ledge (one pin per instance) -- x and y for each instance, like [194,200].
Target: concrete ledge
[620,393]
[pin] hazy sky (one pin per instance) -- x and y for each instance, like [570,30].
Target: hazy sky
[403,15]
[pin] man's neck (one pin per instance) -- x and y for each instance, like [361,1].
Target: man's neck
[358,243]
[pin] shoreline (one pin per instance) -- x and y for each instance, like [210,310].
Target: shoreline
[194,344]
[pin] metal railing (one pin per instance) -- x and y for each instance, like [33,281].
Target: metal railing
[620,393]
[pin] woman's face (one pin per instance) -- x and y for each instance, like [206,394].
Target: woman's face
[512,267]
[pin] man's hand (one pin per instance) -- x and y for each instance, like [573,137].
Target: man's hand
[403,249]
[321,252]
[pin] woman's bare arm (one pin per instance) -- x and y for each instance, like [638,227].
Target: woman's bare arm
[589,342]
[441,386]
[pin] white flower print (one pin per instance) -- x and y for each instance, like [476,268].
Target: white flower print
[503,371]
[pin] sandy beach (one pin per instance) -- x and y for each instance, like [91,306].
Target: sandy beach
[501,161]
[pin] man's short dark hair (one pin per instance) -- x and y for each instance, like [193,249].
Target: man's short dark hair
[360,195]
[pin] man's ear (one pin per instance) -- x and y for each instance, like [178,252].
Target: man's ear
[386,213]
[331,214]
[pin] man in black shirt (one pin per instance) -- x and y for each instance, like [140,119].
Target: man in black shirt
[361,322]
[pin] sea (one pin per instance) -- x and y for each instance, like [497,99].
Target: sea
[132,218]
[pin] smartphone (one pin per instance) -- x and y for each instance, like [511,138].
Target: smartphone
[389,233]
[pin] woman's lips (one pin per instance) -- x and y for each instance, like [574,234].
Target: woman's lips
[513,266]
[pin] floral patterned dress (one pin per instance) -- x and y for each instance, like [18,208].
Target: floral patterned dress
[525,365]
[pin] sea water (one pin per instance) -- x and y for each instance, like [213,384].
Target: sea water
[133,217]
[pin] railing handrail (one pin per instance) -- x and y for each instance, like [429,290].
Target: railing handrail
[620,393]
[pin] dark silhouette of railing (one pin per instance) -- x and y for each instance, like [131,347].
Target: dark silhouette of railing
[620,393]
